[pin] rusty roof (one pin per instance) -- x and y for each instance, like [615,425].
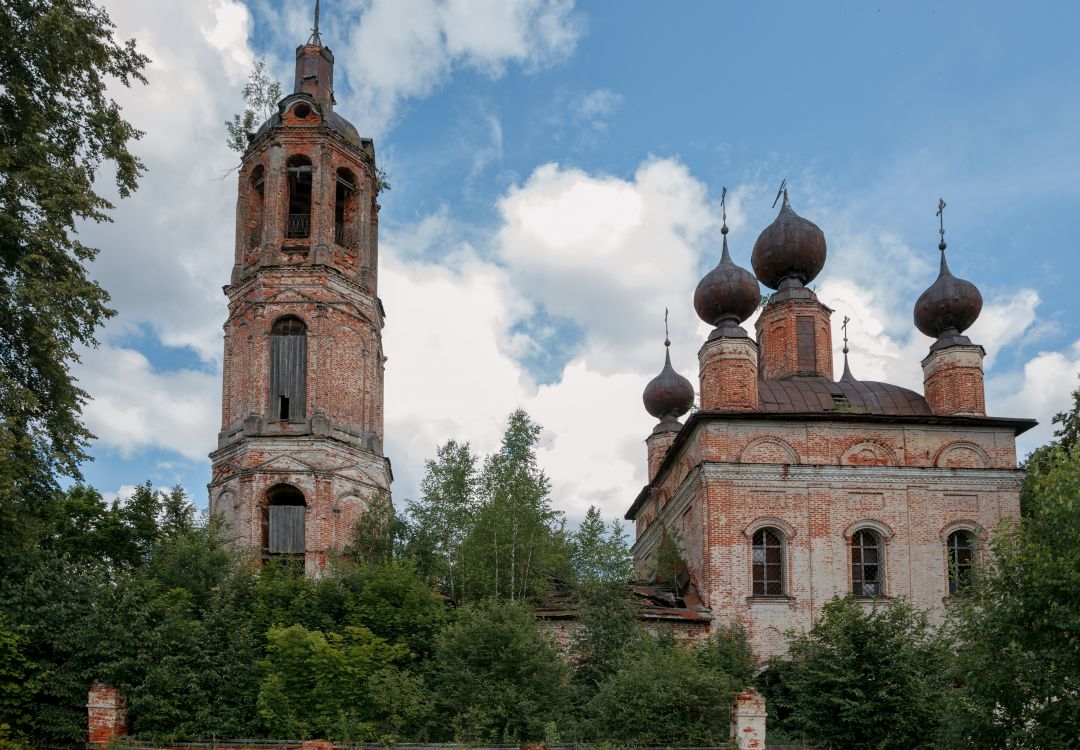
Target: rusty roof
[818,394]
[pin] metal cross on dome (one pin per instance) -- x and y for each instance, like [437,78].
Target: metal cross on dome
[782,191]
[941,222]
[844,326]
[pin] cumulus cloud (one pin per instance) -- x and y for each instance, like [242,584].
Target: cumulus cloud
[402,49]
[134,407]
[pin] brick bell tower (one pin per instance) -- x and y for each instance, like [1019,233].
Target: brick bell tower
[300,452]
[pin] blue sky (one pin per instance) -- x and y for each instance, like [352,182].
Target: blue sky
[556,172]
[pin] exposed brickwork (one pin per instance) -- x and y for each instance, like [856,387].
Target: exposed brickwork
[658,444]
[777,335]
[748,720]
[322,270]
[728,369]
[953,380]
[818,483]
[107,714]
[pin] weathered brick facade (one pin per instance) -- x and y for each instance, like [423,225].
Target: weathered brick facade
[816,463]
[302,397]
[106,714]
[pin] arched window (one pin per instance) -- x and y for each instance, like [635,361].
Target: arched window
[767,556]
[344,208]
[257,184]
[298,177]
[288,369]
[867,570]
[961,561]
[283,521]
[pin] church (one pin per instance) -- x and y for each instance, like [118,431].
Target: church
[787,487]
[784,488]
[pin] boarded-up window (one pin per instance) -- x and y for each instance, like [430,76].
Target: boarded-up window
[288,369]
[807,344]
[286,529]
[283,521]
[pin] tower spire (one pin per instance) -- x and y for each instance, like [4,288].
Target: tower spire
[315,38]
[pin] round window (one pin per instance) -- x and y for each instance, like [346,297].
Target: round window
[302,111]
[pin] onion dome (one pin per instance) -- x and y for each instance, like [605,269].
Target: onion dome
[726,296]
[668,396]
[948,307]
[790,250]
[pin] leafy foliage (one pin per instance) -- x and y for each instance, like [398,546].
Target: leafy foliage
[600,552]
[261,95]
[1018,662]
[667,694]
[443,516]
[495,677]
[863,679]
[58,126]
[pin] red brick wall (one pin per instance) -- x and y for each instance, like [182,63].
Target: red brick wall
[658,444]
[107,714]
[777,337]
[818,483]
[728,369]
[953,380]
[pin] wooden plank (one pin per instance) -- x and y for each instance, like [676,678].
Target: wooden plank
[286,529]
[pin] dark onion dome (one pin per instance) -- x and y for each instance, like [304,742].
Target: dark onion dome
[789,248]
[668,396]
[949,306]
[726,296]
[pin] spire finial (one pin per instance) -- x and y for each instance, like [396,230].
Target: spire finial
[941,223]
[723,209]
[667,338]
[315,38]
[847,377]
[782,191]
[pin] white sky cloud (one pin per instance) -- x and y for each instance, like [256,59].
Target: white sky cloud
[403,49]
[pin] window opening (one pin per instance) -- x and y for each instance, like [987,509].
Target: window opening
[298,177]
[283,521]
[840,400]
[288,368]
[768,563]
[344,208]
[866,572]
[961,560]
[255,207]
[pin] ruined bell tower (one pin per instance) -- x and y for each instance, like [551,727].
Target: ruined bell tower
[300,452]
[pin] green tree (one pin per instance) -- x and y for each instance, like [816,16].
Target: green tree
[666,693]
[379,535]
[443,517]
[607,627]
[1018,662]
[600,552]
[58,125]
[495,677]
[864,679]
[261,95]
[518,537]
[317,685]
